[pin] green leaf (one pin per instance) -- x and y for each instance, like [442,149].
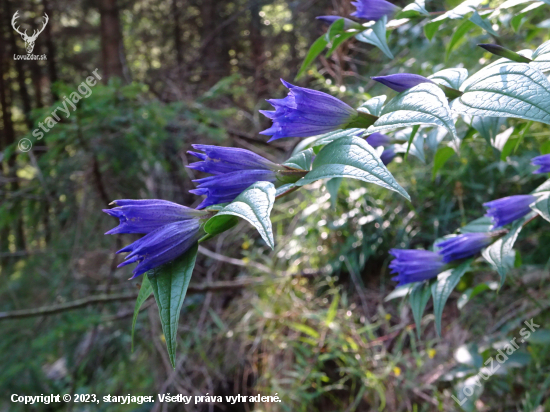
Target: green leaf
[169,283]
[418,300]
[332,186]
[304,329]
[483,23]
[442,288]
[399,292]
[220,225]
[541,57]
[301,160]
[374,105]
[314,51]
[323,139]
[458,35]
[542,206]
[332,310]
[540,337]
[144,293]
[423,104]
[253,205]
[337,34]
[480,225]
[545,187]
[354,158]
[452,78]
[487,127]
[376,36]
[498,50]
[469,294]
[500,254]
[430,29]
[418,8]
[507,90]
[441,156]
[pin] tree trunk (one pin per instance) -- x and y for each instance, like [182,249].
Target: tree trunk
[111,40]
[50,47]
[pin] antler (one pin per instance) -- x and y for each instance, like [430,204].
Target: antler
[37,32]
[15,16]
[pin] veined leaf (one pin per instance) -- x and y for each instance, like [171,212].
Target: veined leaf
[144,293]
[542,206]
[314,51]
[457,13]
[500,254]
[376,36]
[333,185]
[506,90]
[487,127]
[541,57]
[423,104]
[442,288]
[326,138]
[354,158]
[169,283]
[452,78]
[418,300]
[374,105]
[301,160]
[253,205]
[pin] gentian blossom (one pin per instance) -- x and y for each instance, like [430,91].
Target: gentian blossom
[373,9]
[234,170]
[463,246]
[542,161]
[348,24]
[413,265]
[378,139]
[401,81]
[170,230]
[506,210]
[387,156]
[306,112]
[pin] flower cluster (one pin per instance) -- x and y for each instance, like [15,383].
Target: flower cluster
[171,229]
[413,265]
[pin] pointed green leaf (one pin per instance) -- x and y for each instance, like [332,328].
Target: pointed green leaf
[144,293]
[488,127]
[483,23]
[506,90]
[500,254]
[253,205]
[452,78]
[423,104]
[418,8]
[498,50]
[458,36]
[376,36]
[374,105]
[480,225]
[541,57]
[301,160]
[332,186]
[418,300]
[442,288]
[338,33]
[169,283]
[314,51]
[351,157]
[430,29]
[542,206]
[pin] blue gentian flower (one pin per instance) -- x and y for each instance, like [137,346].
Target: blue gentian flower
[463,246]
[542,161]
[387,156]
[401,81]
[234,170]
[306,112]
[373,9]
[378,139]
[413,265]
[348,24]
[170,230]
[145,215]
[506,210]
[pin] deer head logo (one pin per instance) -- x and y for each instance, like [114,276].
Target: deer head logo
[29,40]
